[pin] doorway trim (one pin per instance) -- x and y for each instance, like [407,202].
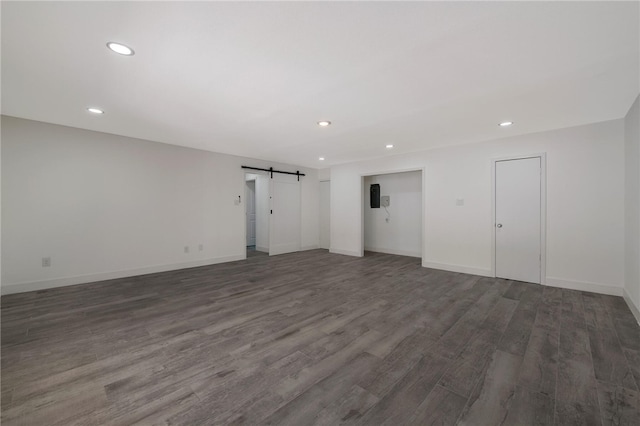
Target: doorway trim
[543,211]
[422,170]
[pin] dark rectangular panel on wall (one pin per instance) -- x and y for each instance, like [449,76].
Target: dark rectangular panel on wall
[375,196]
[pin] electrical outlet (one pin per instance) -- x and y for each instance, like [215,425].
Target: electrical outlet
[459,201]
[385,201]
[200,247]
[46,262]
[186,249]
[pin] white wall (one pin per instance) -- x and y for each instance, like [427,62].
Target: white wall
[585,203]
[402,234]
[324,174]
[325,212]
[632,208]
[104,206]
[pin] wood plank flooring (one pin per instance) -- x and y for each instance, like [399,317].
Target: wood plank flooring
[318,338]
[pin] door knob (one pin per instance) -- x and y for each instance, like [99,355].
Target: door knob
[499,225]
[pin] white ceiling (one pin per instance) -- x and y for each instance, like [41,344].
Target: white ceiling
[253,79]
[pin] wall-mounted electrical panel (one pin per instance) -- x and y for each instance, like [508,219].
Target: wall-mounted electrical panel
[375,196]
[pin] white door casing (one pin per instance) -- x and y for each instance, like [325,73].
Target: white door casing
[518,219]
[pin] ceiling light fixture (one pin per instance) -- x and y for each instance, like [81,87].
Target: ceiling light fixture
[321,158]
[388,146]
[120,48]
[506,123]
[323,123]
[95,110]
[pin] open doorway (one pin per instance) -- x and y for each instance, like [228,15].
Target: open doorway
[250,197]
[256,213]
[393,213]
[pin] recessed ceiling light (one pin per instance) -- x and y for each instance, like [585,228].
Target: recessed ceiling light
[388,146]
[95,110]
[323,123]
[321,158]
[506,123]
[120,48]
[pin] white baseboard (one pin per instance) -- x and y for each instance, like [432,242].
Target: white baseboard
[393,251]
[304,248]
[584,286]
[84,279]
[635,310]
[458,268]
[550,281]
[283,249]
[346,252]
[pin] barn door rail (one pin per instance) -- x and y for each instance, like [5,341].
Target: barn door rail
[272,171]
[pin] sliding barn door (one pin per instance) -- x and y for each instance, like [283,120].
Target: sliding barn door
[284,235]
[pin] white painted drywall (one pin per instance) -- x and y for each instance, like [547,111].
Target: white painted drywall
[632,208]
[585,203]
[324,174]
[310,209]
[325,212]
[104,206]
[402,234]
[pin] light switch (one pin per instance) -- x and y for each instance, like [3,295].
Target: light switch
[459,201]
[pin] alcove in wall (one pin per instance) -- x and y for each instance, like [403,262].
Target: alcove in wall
[396,228]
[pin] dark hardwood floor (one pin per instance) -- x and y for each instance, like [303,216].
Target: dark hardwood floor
[318,338]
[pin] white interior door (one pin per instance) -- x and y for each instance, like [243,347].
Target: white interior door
[284,235]
[250,197]
[325,219]
[518,219]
